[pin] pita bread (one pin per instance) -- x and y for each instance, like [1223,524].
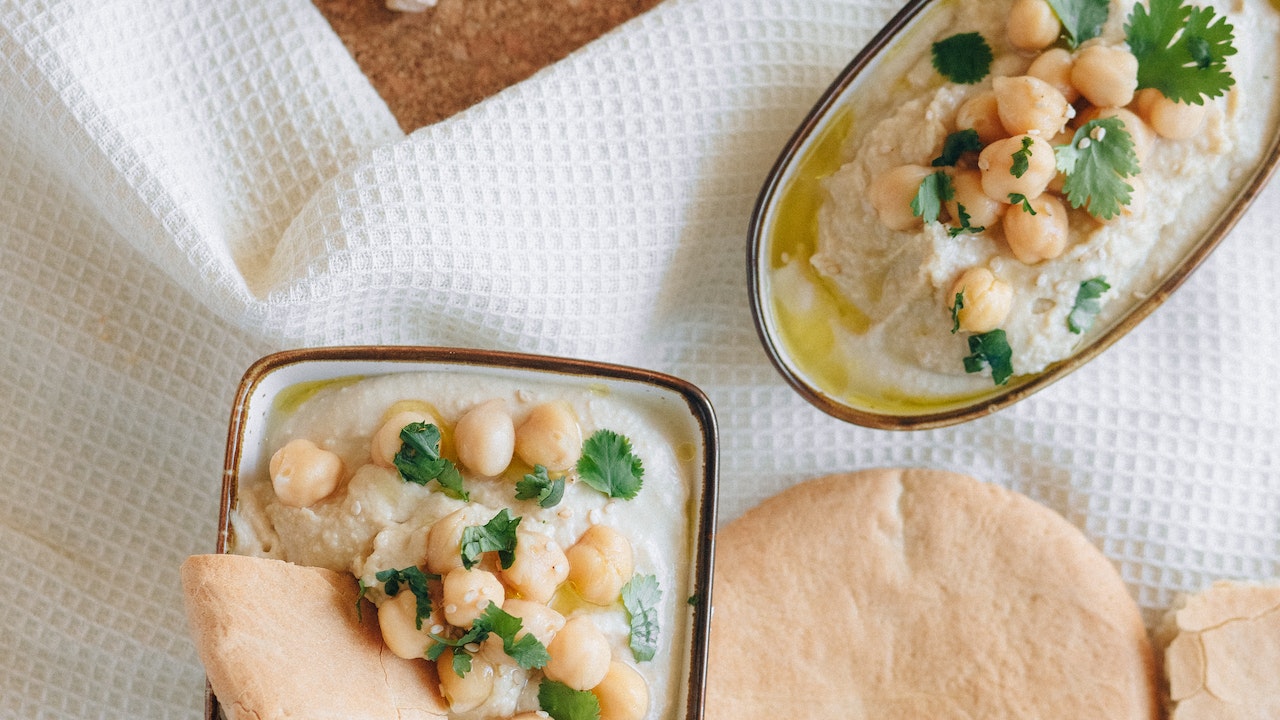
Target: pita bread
[283,641]
[1223,648]
[919,594]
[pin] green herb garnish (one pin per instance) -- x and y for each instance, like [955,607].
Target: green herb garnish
[538,485]
[964,58]
[1022,158]
[956,307]
[1181,50]
[1020,199]
[364,590]
[957,144]
[934,190]
[413,578]
[1098,159]
[527,651]
[497,535]
[608,465]
[640,596]
[1087,304]
[1081,19]
[990,349]
[419,460]
[965,226]
[562,702]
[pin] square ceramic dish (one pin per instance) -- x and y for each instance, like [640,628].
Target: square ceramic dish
[277,385]
[817,338]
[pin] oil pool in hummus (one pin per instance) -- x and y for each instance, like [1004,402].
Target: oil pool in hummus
[584,562]
[869,308]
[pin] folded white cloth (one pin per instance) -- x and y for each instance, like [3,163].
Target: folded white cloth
[185,186]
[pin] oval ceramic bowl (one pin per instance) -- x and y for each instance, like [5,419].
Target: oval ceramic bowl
[784,221]
[278,382]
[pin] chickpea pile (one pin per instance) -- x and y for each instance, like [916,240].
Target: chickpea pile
[486,440]
[1028,115]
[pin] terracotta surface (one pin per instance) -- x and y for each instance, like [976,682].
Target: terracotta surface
[430,65]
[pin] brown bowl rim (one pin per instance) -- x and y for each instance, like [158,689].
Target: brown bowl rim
[699,406]
[1019,388]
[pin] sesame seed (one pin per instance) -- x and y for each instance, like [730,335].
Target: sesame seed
[1084,143]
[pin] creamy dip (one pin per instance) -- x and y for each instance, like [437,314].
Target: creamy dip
[876,299]
[376,521]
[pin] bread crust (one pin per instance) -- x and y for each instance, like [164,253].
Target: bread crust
[284,641]
[892,593]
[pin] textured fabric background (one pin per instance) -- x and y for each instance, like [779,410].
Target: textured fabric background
[186,186]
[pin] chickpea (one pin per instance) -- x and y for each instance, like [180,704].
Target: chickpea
[891,194]
[550,437]
[386,442]
[485,438]
[397,618]
[1029,105]
[538,568]
[1032,25]
[996,163]
[1037,237]
[980,113]
[444,538]
[983,211]
[1143,136]
[579,654]
[467,593]
[303,474]
[465,693]
[1168,118]
[1106,76]
[1054,67]
[987,300]
[623,693]
[600,564]
[536,619]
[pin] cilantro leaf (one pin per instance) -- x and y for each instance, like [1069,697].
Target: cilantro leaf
[964,58]
[499,534]
[608,465]
[956,307]
[1181,50]
[413,578]
[419,460]
[562,702]
[539,486]
[990,349]
[1098,159]
[935,189]
[1081,19]
[364,590]
[1022,158]
[1020,199]
[1087,304]
[958,143]
[640,596]
[965,226]
[527,651]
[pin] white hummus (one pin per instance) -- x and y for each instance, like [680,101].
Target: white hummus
[376,521]
[891,328]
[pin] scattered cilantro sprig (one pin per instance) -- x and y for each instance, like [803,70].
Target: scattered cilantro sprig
[562,702]
[415,580]
[608,465]
[640,596]
[957,144]
[527,651]
[419,460]
[540,486]
[1087,305]
[990,349]
[1022,158]
[497,535]
[965,226]
[956,307]
[1081,19]
[1181,50]
[934,189]
[1096,161]
[1020,199]
[964,58]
